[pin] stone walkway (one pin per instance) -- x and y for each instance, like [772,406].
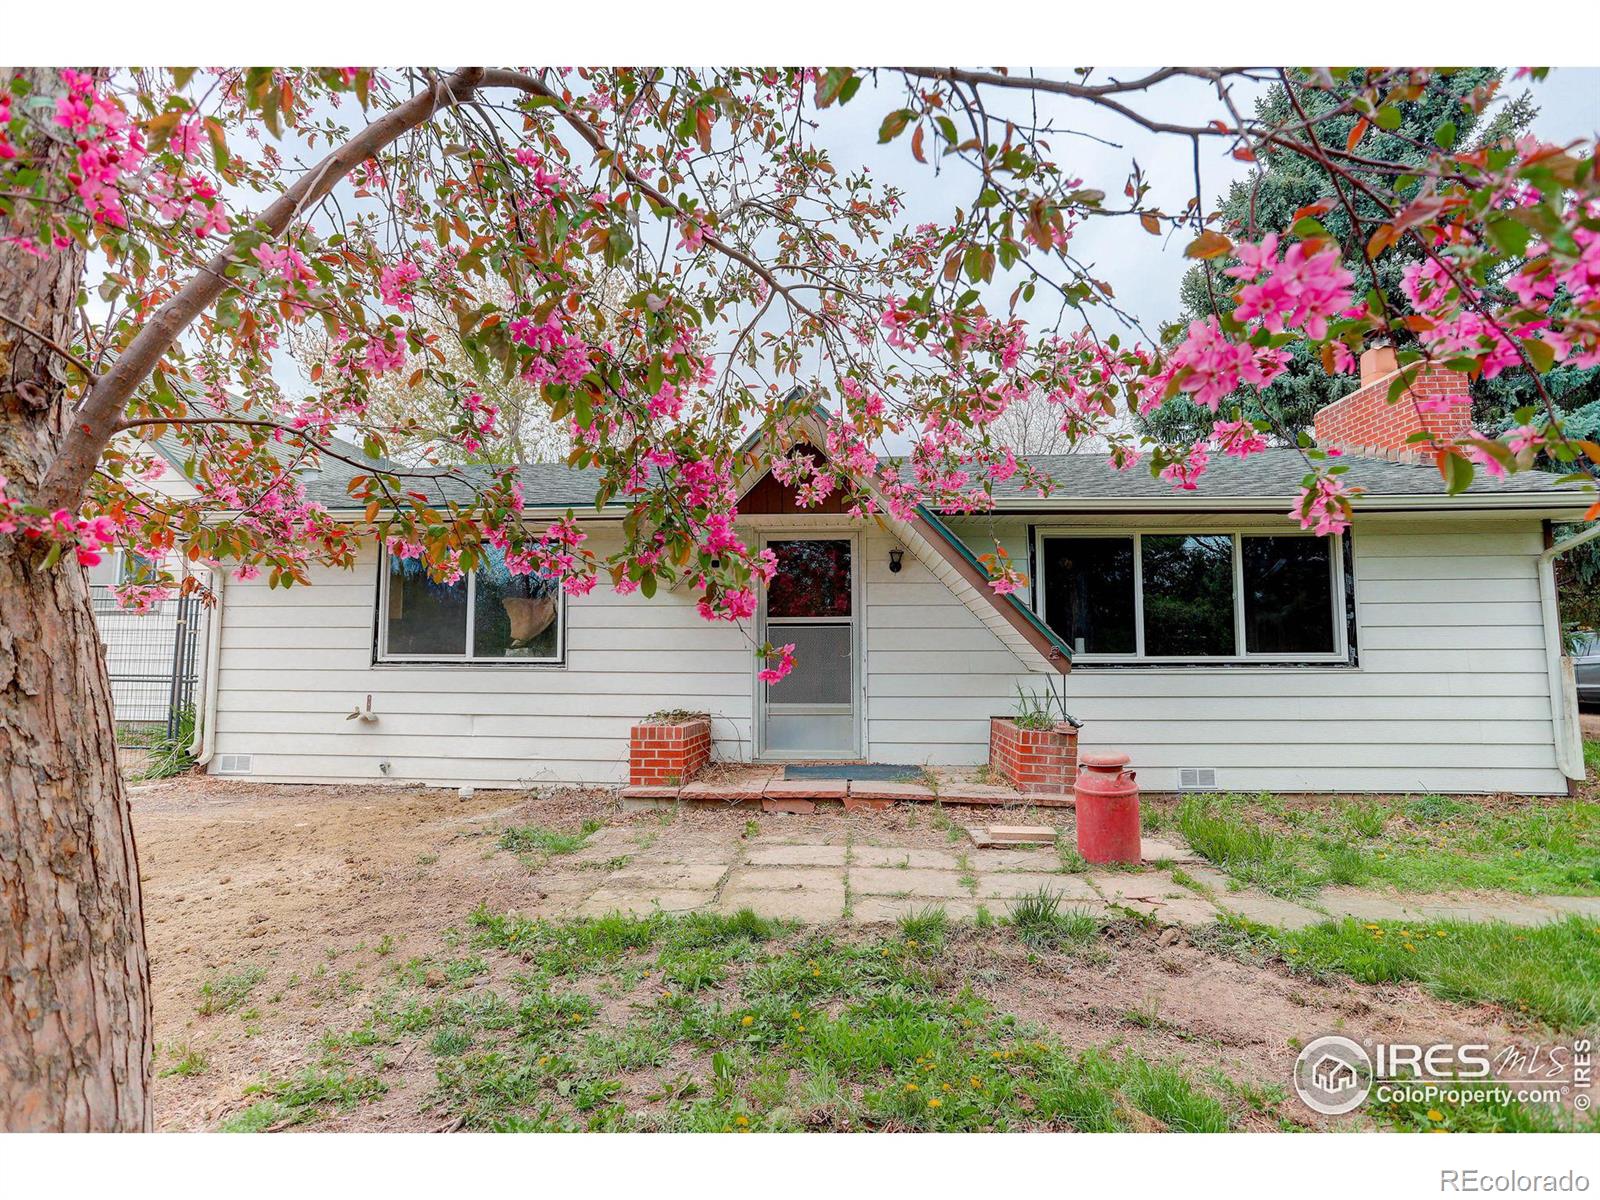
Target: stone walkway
[827,874]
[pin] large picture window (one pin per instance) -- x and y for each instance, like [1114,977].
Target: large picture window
[1187,597]
[489,615]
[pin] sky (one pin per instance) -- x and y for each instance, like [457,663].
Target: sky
[1144,270]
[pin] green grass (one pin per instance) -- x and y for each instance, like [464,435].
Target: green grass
[735,1023]
[545,843]
[1548,973]
[1591,759]
[1423,844]
[1041,923]
[224,993]
[312,1095]
[186,1063]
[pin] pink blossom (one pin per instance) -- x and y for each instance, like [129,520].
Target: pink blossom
[1301,290]
[395,285]
[1238,439]
[1184,473]
[785,657]
[1323,505]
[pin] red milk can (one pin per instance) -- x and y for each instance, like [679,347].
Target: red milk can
[1108,809]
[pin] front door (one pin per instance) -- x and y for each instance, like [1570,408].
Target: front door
[812,602]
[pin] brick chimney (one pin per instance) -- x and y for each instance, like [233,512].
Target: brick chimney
[1364,422]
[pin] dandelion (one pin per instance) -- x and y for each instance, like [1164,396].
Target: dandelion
[741,1121]
[935,1102]
[748,1021]
[1435,1115]
[975,1082]
[1409,947]
[911,1087]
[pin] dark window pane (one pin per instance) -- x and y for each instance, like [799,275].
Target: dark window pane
[1188,595]
[813,580]
[513,616]
[1088,593]
[424,617]
[1288,602]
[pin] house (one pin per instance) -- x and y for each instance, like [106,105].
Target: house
[1200,632]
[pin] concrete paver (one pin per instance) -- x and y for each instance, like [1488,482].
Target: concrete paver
[784,879]
[799,855]
[1010,884]
[867,910]
[902,856]
[643,902]
[816,904]
[895,881]
[799,871]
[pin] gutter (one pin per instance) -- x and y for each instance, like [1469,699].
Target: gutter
[204,745]
[1563,687]
[1512,502]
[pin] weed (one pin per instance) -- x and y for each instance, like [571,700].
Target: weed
[535,839]
[189,1062]
[169,754]
[927,926]
[224,993]
[1041,923]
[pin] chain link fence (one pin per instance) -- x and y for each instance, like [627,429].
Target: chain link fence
[153,659]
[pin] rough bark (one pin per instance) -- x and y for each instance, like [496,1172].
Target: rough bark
[75,1031]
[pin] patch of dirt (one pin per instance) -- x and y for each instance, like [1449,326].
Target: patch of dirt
[326,890]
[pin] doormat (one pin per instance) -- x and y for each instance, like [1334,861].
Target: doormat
[876,772]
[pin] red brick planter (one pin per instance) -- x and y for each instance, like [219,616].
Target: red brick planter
[668,753]
[1037,761]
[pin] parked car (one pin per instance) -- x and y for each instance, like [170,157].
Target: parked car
[1586,658]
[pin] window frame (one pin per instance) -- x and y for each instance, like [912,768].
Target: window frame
[380,648]
[1337,584]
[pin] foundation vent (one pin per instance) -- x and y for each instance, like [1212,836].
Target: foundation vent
[1197,779]
[232,764]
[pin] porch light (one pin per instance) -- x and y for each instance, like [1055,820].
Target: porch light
[895,556]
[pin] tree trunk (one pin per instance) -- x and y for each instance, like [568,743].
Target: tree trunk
[75,1037]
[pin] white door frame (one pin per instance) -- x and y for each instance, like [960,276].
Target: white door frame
[784,531]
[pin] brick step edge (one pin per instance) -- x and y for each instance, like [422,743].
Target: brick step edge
[877,793]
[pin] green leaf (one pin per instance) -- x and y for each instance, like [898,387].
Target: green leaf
[1457,473]
[1445,136]
[1387,118]
[1540,354]
[1510,236]
[895,124]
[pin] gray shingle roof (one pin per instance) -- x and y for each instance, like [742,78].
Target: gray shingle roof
[1272,475]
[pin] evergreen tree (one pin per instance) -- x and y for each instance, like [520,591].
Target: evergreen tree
[1267,202]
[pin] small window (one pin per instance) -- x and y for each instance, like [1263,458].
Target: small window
[1188,595]
[133,567]
[1287,606]
[1195,597]
[490,615]
[1088,593]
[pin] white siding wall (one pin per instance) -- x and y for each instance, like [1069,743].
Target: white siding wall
[1451,693]
[296,662]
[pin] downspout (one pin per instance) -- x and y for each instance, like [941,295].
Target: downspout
[205,742]
[1569,748]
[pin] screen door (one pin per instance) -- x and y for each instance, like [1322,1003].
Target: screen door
[811,602]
